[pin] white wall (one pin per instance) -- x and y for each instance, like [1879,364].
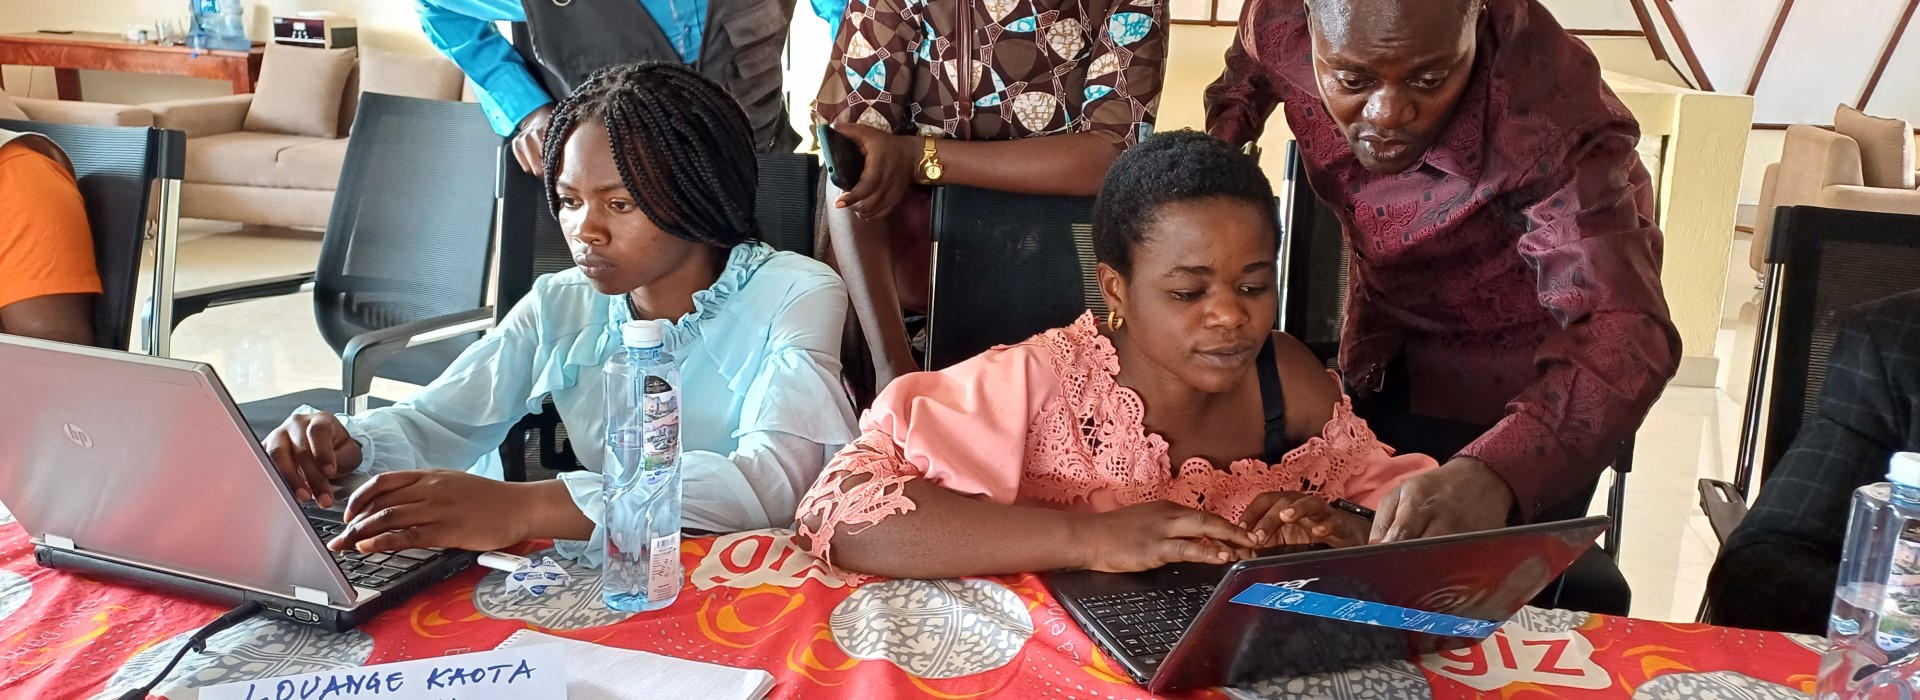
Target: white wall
[1633,56]
[384,24]
[1593,14]
[1763,149]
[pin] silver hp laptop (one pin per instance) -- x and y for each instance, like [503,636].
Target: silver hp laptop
[142,469]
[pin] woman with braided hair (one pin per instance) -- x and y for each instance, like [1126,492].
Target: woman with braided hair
[650,170]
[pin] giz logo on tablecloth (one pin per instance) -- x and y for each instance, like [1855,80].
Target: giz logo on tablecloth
[1518,655]
[748,559]
[78,436]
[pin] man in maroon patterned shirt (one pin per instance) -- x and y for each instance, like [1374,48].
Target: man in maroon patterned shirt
[1505,312]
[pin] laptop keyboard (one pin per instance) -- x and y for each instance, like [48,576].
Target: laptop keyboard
[1146,624]
[374,571]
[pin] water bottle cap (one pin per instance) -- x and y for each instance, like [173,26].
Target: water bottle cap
[641,334]
[1904,468]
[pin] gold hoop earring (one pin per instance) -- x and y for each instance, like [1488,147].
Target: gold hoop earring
[1114,322]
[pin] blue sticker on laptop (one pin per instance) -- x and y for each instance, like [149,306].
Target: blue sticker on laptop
[1333,607]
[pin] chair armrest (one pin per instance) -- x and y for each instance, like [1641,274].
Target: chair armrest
[89,113]
[203,117]
[1880,199]
[192,302]
[1724,506]
[366,352]
[1814,158]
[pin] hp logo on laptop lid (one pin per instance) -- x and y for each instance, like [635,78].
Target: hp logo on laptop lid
[78,436]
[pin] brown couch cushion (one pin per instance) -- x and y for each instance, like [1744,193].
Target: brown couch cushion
[9,110]
[299,91]
[244,158]
[313,166]
[1886,147]
[408,75]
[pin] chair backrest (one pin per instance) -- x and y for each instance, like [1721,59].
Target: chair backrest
[1006,266]
[1314,256]
[786,200]
[116,168]
[1829,261]
[411,232]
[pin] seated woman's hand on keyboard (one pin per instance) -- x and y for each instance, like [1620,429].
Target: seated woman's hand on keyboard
[309,449]
[439,508]
[1151,535]
[1293,518]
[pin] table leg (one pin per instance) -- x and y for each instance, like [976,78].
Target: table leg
[66,83]
[242,78]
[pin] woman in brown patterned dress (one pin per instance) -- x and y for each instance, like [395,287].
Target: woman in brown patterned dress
[1075,82]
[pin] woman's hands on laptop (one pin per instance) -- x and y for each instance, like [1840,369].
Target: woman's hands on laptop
[432,508]
[1157,533]
[441,508]
[1292,518]
[309,449]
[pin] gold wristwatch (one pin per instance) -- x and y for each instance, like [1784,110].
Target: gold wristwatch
[930,167]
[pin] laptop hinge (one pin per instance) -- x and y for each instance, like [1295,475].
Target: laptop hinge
[58,541]
[308,595]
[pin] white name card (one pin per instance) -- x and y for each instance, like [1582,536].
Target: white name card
[519,673]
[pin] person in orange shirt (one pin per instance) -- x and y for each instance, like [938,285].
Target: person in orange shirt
[47,275]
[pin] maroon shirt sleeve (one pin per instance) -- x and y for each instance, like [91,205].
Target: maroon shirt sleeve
[1243,97]
[1596,254]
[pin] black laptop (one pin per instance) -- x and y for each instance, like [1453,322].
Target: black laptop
[1310,610]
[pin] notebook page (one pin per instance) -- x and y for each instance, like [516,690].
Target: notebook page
[596,672]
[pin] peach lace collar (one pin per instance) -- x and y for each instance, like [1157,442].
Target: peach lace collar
[1116,451]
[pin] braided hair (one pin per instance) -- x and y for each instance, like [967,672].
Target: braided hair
[683,148]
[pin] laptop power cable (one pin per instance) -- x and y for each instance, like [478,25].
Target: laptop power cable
[198,642]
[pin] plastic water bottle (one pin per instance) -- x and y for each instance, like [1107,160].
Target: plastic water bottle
[218,25]
[1875,626]
[641,478]
[230,30]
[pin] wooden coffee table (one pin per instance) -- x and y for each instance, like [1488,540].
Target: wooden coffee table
[68,54]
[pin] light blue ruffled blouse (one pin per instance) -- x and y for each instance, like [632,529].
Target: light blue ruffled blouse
[762,406]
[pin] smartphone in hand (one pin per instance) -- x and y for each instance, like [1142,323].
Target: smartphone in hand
[840,155]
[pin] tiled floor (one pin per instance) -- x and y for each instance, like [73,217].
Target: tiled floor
[269,347]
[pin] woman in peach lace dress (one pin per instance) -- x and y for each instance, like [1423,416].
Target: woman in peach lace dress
[1060,452]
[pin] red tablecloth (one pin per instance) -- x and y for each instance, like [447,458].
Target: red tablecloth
[754,600]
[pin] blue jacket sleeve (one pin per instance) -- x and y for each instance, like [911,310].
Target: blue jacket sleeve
[463,31]
[831,11]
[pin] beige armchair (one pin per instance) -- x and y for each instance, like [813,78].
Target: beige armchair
[1865,164]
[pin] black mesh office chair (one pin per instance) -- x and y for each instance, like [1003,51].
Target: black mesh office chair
[116,168]
[991,248]
[401,285]
[1823,262]
[531,245]
[1314,254]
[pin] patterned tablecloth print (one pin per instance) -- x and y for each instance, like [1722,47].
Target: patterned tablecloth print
[755,600]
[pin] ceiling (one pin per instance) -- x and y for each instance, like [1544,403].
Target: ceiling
[1797,59]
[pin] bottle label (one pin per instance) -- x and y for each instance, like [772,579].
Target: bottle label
[661,417]
[663,567]
[1900,608]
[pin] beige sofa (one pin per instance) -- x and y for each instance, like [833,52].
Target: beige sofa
[69,112]
[283,179]
[1865,164]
